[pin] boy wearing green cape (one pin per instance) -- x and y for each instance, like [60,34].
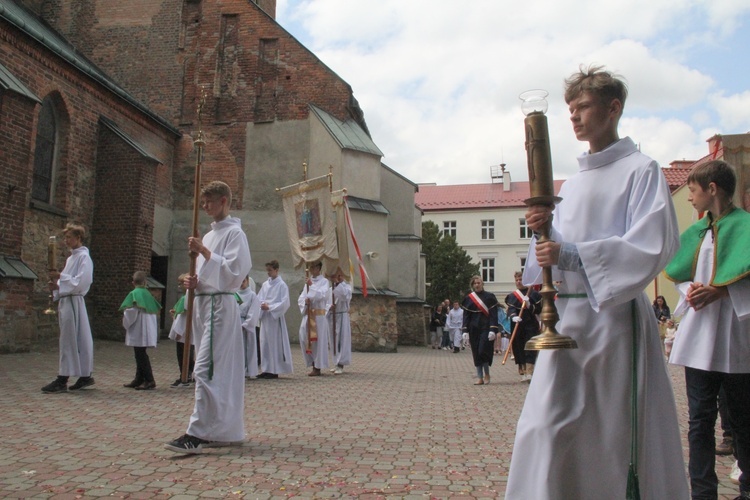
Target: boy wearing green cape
[140,312]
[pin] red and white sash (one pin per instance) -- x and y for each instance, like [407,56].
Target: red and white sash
[478,302]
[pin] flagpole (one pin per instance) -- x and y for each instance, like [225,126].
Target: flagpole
[190,295]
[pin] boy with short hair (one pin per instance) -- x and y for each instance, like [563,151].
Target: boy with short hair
[611,235]
[454,322]
[275,349]
[314,302]
[223,262]
[140,315]
[712,273]
[340,322]
[69,287]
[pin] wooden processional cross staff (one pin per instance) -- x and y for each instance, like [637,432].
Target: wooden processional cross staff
[190,295]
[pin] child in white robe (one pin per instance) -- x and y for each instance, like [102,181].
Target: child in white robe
[176,333]
[140,319]
[249,312]
[275,349]
[712,273]
[69,288]
[339,322]
[223,262]
[314,302]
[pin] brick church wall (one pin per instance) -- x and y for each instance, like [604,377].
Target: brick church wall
[123,226]
[26,223]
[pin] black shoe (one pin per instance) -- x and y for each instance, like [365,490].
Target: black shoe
[81,383]
[133,384]
[57,385]
[179,384]
[146,386]
[187,444]
[726,447]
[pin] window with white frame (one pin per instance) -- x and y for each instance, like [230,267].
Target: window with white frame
[488,269]
[525,231]
[449,228]
[523,263]
[488,229]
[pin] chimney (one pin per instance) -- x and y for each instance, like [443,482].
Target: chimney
[714,146]
[267,6]
[506,178]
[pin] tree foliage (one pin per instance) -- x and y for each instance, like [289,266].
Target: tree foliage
[448,266]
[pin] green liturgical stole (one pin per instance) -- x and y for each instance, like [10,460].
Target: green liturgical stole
[142,298]
[732,251]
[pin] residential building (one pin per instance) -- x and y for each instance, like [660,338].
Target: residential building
[487,221]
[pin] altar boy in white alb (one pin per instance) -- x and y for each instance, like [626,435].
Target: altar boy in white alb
[275,349]
[339,322]
[249,313]
[613,232]
[223,262]
[69,288]
[712,272]
[314,302]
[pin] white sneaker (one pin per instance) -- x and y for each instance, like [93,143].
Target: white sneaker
[332,370]
[338,371]
[734,476]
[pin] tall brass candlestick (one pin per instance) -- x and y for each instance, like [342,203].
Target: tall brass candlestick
[199,144]
[542,190]
[51,266]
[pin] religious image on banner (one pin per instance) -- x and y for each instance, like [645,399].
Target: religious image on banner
[310,222]
[308,218]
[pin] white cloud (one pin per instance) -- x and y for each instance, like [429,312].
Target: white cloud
[734,112]
[439,82]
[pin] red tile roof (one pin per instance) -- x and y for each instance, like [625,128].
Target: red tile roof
[471,196]
[676,176]
[467,196]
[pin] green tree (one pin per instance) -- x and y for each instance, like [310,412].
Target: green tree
[448,266]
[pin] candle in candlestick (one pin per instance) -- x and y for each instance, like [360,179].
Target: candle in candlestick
[52,253]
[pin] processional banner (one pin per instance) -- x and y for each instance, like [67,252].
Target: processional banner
[310,222]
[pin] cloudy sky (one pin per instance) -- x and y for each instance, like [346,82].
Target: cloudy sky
[439,81]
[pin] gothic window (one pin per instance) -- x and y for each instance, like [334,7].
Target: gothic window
[42,188]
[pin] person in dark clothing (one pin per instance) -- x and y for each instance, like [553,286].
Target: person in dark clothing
[437,322]
[528,327]
[480,327]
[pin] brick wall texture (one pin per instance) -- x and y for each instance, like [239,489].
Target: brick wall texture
[170,55]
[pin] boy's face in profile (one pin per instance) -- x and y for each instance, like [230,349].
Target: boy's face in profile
[272,273]
[698,197]
[592,119]
[214,206]
[71,240]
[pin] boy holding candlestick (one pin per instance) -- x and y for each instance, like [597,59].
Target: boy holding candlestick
[611,235]
[69,287]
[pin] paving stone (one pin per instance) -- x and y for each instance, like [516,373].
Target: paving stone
[408,425]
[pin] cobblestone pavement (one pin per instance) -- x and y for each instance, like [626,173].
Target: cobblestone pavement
[405,425]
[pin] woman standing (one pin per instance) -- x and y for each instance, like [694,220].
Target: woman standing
[437,322]
[663,314]
[480,327]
